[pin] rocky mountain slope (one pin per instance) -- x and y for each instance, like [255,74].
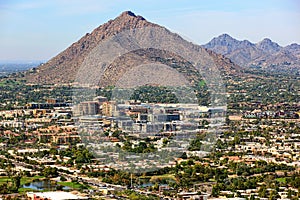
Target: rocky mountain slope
[64,67]
[265,54]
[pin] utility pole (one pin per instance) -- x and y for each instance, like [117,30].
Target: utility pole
[131,181]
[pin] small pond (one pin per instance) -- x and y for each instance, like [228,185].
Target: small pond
[44,185]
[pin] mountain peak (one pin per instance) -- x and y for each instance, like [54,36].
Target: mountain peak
[129,14]
[227,42]
[126,20]
[224,35]
[268,45]
[266,40]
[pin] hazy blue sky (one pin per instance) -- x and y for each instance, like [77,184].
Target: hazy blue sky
[40,29]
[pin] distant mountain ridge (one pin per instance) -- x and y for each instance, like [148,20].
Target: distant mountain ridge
[9,67]
[265,54]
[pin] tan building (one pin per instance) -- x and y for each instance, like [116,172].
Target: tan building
[58,134]
[88,108]
[108,108]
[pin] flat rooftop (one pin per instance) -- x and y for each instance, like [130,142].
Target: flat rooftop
[56,195]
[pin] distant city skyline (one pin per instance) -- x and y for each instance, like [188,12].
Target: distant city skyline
[39,30]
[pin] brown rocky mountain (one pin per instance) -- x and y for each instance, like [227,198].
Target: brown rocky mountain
[293,49]
[265,54]
[268,46]
[64,67]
